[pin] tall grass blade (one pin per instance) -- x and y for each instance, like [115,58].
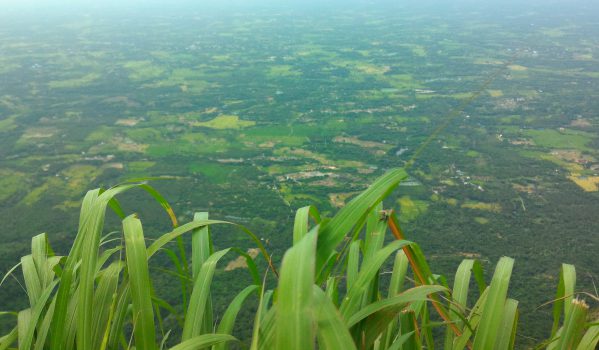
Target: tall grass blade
[353,264]
[267,330]
[9,339]
[351,302]
[398,274]
[196,312]
[488,328]
[474,317]
[163,202]
[262,305]
[507,331]
[353,214]
[123,300]
[33,284]
[294,329]
[203,341]
[332,289]
[302,221]
[590,339]
[398,343]
[201,244]
[23,325]
[67,278]
[565,295]
[228,320]
[408,324]
[376,226]
[103,299]
[201,249]
[33,317]
[380,314]
[574,323]
[331,330]
[44,327]
[459,296]
[251,265]
[139,280]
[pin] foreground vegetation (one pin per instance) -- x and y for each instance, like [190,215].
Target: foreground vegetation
[331,290]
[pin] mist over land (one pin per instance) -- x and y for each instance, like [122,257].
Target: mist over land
[257,108]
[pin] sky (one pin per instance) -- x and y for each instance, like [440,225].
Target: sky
[33,9]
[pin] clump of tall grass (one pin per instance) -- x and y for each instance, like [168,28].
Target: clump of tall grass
[328,293]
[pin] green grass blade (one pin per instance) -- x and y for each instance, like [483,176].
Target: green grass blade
[294,329]
[375,232]
[353,214]
[331,330]
[123,300]
[228,320]
[170,236]
[33,317]
[201,244]
[351,302]
[379,315]
[39,253]
[332,289]
[426,329]
[459,296]
[70,325]
[103,299]
[507,331]
[163,202]
[398,275]
[267,330]
[201,249]
[574,323]
[9,339]
[408,324]
[353,264]
[67,278]
[9,273]
[389,307]
[473,320]
[398,343]
[488,328]
[31,278]
[565,295]
[91,231]
[196,312]
[203,341]
[590,339]
[251,265]
[139,279]
[262,305]
[23,325]
[302,221]
[44,327]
